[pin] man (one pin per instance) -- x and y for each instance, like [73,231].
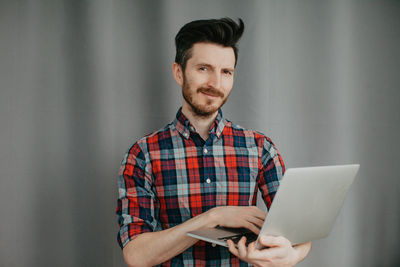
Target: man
[201,170]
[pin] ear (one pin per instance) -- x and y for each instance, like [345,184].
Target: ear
[178,73]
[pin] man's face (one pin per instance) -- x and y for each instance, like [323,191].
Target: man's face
[208,78]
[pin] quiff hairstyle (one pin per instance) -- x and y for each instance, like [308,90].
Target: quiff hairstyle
[225,32]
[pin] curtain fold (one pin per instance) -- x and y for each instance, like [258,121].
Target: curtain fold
[81,81]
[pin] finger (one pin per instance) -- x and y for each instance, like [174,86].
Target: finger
[255,229]
[257,212]
[232,248]
[242,248]
[251,248]
[279,247]
[256,221]
[254,211]
[274,241]
[256,216]
[274,253]
[303,244]
[254,254]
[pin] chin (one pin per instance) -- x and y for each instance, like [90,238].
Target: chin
[205,111]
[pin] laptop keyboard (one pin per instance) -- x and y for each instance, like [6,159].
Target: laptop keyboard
[250,237]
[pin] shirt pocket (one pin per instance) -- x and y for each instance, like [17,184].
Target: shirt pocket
[236,184]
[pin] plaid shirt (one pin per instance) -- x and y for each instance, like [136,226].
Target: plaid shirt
[172,175]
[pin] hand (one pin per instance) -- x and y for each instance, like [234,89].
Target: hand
[250,217]
[280,252]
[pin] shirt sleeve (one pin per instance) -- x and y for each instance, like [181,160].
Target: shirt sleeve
[137,207]
[271,172]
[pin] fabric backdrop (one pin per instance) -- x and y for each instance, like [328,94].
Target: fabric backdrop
[81,81]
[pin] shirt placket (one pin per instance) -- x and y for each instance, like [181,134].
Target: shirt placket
[209,175]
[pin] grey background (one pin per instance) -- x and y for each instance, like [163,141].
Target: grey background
[82,80]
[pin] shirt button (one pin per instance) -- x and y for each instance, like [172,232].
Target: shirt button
[213,245]
[205,150]
[208,181]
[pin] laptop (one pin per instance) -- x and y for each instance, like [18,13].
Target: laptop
[304,208]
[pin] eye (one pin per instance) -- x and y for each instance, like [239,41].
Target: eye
[228,72]
[203,68]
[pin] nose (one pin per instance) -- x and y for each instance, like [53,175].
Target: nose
[214,80]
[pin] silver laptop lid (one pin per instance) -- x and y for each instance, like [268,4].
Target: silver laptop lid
[308,201]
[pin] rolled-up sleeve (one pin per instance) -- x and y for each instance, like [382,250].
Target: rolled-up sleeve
[137,207]
[271,172]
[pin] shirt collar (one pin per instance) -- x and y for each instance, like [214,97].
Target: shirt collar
[184,127]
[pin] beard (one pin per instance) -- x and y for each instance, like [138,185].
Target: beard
[208,109]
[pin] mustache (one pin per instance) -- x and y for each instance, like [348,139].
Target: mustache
[210,91]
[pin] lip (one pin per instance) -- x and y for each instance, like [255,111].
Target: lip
[209,95]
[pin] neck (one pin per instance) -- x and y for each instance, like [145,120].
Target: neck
[201,123]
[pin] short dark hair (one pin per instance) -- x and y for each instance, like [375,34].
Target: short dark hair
[225,32]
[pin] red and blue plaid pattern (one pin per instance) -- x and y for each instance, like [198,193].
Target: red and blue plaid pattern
[173,175]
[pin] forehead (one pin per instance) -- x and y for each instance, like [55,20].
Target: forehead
[212,54]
